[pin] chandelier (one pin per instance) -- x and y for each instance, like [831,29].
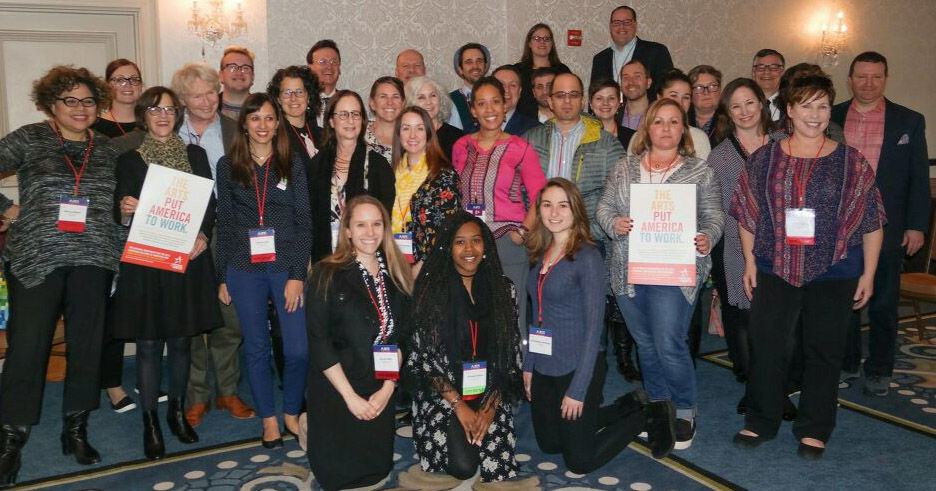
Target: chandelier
[213,26]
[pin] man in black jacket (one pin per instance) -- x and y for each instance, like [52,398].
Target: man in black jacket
[893,140]
[515,123]
[626,46]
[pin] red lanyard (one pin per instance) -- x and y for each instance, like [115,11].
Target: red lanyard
[540,283]
[800,185]
[301,140]
[473,327]
[68,160]
[380,292]
[119,126]
[665,170]
[261,204]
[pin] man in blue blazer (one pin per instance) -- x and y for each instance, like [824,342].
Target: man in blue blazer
[626,46]
[516,123]
[892,138]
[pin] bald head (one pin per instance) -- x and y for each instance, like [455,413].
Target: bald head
[409,64]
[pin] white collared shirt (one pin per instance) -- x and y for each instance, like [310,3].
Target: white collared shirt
[622,56]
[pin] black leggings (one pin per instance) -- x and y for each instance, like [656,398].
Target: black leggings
[149,368]
[582,446]
[463,457]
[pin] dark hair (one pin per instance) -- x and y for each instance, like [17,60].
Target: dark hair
[724,125]
[119,62]
[322,44]
[478,46]
[700,69]
[767,52]
[395,82]
[488,80]
[603,84]
[435,157]
[328,133]
[624,7]
[63,78]
[671,77]
[795,71]
[309,83]
[637,62]
[507,68]
[242,164]
[808,87]
[542,71]
[526,59]
[151,97]
[540,238]
[868,57]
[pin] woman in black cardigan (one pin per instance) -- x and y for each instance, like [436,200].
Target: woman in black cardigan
[356,315]
[343,169]
[154,306]
[539,51]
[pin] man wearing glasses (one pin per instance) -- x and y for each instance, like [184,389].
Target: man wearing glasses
[237,76]
[324,60]
[626,46]
[766,71]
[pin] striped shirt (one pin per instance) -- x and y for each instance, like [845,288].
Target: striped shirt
[865,131]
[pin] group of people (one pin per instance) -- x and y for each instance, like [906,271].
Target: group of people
[458,252]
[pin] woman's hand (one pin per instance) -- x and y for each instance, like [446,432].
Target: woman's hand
[703,244]
[623,225]
[201,243]
[10,216]
[570,408]
[864,290]
[360,408]
[380,398]
[527,385]
[128,206]
[223,294]
[515,237]
[293,295]
[466,416]
[483,419]
[749,280]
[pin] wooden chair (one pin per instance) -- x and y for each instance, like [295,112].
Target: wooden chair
[921,287]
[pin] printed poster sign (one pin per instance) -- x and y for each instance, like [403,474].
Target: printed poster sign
[661,246]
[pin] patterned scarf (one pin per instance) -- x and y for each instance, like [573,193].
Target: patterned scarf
[172,153]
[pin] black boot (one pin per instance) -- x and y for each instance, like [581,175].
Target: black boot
[12,439]
[153,446]
[629,368]
[178,425]
[661,428]
[75,438]
[621,340]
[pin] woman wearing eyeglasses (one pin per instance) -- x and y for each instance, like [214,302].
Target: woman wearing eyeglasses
[155,307]
[344,168]
[296,90]
[126,84]
[706,92]
[539,51]
[61,252]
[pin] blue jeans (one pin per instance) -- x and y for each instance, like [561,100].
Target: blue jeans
[658,319]
[250,293]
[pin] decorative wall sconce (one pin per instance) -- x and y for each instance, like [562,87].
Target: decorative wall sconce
[834,41]
[213,26]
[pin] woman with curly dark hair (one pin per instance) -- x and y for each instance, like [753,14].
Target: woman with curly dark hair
[296,90]
[61,252]
[463,365]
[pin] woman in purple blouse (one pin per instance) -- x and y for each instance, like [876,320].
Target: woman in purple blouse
[810,220]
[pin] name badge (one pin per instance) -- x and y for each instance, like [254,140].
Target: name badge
[476,209]
[800,226]
[262,245]
[474,379]
[335,227]
[405,242]
[540,341]
[73,212]
[386,362]
[282,185]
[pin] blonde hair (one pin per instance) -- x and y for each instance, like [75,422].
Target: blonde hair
[642,143]
[183,77]
[415,84]
[236,48]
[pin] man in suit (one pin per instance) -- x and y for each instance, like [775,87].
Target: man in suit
[471,63]
[324,60]
[515,123]
[626,46]
[892,138]
[766,71]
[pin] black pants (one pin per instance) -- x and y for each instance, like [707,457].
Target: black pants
[734,319]
[463,457]
[593,439]
[149,368]
[80,292]
[112,357]
[775,311]
[882,312]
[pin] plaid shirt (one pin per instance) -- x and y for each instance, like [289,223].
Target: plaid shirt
[865,131]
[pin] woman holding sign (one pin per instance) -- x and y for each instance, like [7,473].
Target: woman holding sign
[465,360]
[155,306]
[356,320]
[564,369]
[264,239]
[657,312]
[426,186]
[811,225]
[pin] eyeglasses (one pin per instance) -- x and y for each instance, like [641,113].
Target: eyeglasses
[121,81]
[768,68]
[74,101]
[157,110]
[234,68]
[542,39]
[563,96]
[623,23]
[327,61]
[706,89]
[345,115]
[290,93]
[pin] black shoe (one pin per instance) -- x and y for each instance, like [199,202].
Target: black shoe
[123,405]
[271,444]
[153,446]
[809,452]
[75,438]
[685,432]
[661,428]
[403,417]
[789,410]
[635,400]
[742,406]
[163,397]
[746,442]
[12,439]
[178,425]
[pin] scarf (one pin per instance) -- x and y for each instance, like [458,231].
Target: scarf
[171,153]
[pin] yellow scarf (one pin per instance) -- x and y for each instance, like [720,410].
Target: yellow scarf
[408,181]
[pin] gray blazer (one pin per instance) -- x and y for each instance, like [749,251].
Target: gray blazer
[615,202]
